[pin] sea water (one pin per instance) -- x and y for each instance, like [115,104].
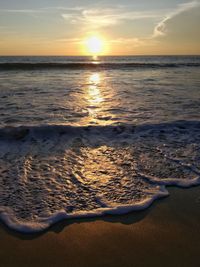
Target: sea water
[83,136]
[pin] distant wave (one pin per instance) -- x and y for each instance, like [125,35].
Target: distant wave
[91,65]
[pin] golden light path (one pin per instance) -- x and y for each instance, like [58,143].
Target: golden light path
[94,96]
[94,78]
[98,96]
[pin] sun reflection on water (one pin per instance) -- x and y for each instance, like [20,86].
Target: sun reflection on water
[94,78]
[97,99]
[94,96]
[95,59]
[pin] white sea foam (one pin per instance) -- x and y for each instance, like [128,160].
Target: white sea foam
[50,173]
[43,223]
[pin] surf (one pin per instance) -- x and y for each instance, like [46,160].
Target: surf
[53,172]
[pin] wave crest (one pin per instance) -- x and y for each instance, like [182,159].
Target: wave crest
[91,65]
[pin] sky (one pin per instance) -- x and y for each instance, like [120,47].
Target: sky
[128,27]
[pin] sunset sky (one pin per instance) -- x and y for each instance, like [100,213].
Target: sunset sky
[129,27]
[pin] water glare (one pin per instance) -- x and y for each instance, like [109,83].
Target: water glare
[94,96]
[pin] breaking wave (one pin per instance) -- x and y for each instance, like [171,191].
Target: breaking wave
[92,65]
[53,172]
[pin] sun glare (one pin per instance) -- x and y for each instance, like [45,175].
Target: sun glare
[94,78]
[94,45]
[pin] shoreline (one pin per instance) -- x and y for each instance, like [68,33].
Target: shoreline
[167,234]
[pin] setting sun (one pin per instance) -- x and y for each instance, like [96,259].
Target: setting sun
[94,45]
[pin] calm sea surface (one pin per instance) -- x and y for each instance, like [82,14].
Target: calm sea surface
[111,90]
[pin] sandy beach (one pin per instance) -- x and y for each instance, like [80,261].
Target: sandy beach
[166,234]
[100,133]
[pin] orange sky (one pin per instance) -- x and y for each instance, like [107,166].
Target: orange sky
[159,27]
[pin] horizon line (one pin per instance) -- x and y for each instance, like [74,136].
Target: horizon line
[131,55]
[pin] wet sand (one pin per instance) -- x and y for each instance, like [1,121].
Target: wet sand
[166,234]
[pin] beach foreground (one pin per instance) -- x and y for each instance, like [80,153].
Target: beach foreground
[167,234]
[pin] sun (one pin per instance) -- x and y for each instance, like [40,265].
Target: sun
[94,45]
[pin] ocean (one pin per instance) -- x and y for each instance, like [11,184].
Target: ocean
[84,137]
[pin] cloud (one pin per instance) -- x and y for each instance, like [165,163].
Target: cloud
[69,40]
[56,9]
[99,18]
[161,27]
[21,11]
[134,42]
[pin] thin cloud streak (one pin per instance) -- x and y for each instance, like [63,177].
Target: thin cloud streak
[28,11]
[99,18]
[69,40]
[161,29]
[42,10]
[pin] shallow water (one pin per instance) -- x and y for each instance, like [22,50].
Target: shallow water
[86,141]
